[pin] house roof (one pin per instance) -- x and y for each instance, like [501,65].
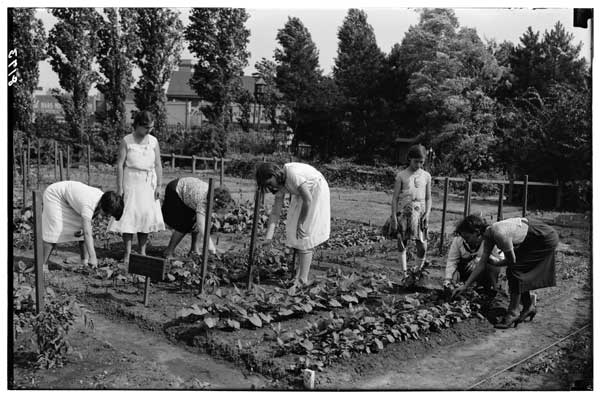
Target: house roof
[179,83]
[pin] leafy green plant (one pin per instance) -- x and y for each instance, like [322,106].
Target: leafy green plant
[51,328]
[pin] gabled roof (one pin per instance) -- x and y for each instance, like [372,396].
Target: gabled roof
[179,83]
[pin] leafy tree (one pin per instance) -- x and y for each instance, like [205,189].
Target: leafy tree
[297,71]
[28,39]
[271,98]
[73,46]
[118,44]
[160,34]
[358,73]
[218,38]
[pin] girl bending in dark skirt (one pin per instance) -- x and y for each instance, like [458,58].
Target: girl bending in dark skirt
[529,250]
[184,210]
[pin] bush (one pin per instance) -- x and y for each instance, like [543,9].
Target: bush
[577,195]
[251,142]
[51,328]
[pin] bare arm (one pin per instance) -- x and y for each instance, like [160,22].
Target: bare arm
[306,203]
[275,213]
[159,172]
[452,261]
[487,249]
[120,165]
[200,228]
[88,240]
[397,189]
[428,197]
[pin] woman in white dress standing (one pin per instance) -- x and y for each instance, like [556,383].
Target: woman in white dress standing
[68,210]
[139,177]
[308,221]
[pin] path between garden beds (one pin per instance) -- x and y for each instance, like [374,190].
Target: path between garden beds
[464,364]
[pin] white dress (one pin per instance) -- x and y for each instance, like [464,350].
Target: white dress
[65,204]
[317,224]
[141,212]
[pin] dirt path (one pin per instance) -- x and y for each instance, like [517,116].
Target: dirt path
[462,365]
[121,356]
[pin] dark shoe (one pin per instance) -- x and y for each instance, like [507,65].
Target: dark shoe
[529,312]
[509,320]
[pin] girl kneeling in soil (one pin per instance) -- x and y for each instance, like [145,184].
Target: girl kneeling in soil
[464,256]
[139,176]
[308,219]
[68,208]
[184,210]
[529,249]
[411,206]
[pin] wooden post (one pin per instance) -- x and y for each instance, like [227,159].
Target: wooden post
[55,160]
[222,173]
[38,252]
[173,161]
[193,164]
[147,291]
[253,237]
[525,188]
[60,164]
[68,161]
[467,207]
[39,163]
[511,187]
[294,262]
[207,224]
[558,195]
[444,208]
[215,164]
[24,168]
[89,165]
[500,203]
[28,156]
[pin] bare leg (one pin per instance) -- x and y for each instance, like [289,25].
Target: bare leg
[304,261]
[48,248]
[142,242]
[83,252]
[127,238]
[195,247]
[515,300]
[421,251]
[176,238]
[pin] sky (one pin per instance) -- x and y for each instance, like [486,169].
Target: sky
[389,24]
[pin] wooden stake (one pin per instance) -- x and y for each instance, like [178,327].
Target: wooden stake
[68,161]
[511,187]
[55,161]
[467,194]
[24,168]
[444,208]
[89,165]
[28,156]
[253,237]
[525,189]
[39,163]
[207,220]
[60,164]
[38,252]
[558,195]
[500,203]
[173,161]
[147,291]
[193,164]
[222,172]
[215,164]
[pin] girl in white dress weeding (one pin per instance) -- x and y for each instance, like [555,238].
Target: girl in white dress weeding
[139,176]
[308,221]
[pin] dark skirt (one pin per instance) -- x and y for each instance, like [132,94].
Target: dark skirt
[535,266]
[176,214]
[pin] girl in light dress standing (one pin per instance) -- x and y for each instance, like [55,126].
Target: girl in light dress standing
[139,177]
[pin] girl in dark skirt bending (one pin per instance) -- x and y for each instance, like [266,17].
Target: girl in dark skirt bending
[184,210]
[529,255]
